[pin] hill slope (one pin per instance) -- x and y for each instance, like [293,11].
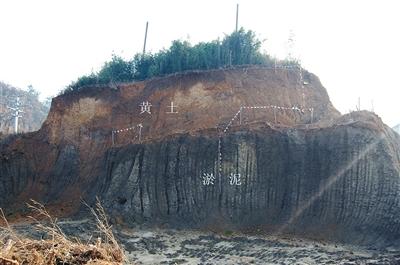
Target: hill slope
[244,148]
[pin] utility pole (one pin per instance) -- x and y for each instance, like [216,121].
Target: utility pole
[145,38]
[290,46]
[16,113]
[237,16]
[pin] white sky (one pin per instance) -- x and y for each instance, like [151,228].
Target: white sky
[353,46]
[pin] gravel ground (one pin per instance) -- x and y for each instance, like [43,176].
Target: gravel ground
[194,247]
[168,246]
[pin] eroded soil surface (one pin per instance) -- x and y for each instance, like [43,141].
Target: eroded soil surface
[169,246]
[192,247]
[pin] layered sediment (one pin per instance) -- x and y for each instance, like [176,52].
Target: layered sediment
[246,148]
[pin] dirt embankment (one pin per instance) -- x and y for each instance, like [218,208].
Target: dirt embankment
[201,100]
[63,158]
[171,150]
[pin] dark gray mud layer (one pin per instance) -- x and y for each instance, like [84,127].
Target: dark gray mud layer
[169,246]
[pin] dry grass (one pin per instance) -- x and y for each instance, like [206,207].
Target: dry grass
[57,248]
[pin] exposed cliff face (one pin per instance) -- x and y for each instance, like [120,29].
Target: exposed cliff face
[338,182]
[203,100]
[306,172]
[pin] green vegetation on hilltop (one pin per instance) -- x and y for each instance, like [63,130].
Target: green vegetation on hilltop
[239,48]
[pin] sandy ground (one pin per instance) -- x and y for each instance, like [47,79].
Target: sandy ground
[169,246]
[193,247]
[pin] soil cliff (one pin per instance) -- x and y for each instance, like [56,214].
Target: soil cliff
[245,148]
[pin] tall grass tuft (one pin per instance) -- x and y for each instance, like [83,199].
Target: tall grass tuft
[55,247]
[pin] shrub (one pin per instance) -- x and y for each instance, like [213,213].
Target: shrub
[57,248]
[239,48]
